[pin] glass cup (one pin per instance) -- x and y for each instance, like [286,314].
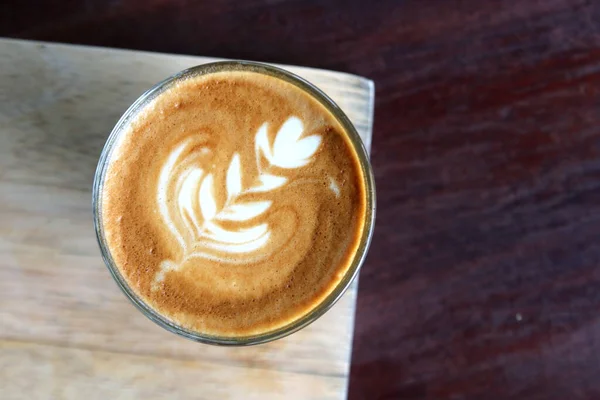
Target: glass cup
[365,166]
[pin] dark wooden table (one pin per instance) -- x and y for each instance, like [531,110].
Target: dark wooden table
[483,280]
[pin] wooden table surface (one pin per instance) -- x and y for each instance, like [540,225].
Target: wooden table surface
[63,321]
[483,280]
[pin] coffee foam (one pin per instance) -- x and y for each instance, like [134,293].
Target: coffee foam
[233,203]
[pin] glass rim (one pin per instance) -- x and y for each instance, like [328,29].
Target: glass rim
[369,182]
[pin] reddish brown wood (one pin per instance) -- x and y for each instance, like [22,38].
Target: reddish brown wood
[483,280]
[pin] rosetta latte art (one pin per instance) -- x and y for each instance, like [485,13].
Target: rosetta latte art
[187,202]
[233,203]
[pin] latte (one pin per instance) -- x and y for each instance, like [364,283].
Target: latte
[233,203]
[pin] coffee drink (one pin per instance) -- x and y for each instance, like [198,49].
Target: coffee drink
[233,203]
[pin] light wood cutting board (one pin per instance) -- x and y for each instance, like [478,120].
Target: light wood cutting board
[66,330]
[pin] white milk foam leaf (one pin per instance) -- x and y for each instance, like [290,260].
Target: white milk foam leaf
[195,218]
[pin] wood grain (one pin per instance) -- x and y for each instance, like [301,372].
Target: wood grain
[37,371]
[60,312]
[483,280]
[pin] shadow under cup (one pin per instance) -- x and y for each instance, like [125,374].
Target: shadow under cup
[365,167]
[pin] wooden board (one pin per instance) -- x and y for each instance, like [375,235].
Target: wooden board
[65,327]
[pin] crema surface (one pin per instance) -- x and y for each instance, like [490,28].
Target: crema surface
[233,203]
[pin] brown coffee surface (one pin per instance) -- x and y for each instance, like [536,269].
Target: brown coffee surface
[233,203]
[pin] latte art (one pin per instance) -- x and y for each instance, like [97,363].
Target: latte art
[233,203]
[195,218]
